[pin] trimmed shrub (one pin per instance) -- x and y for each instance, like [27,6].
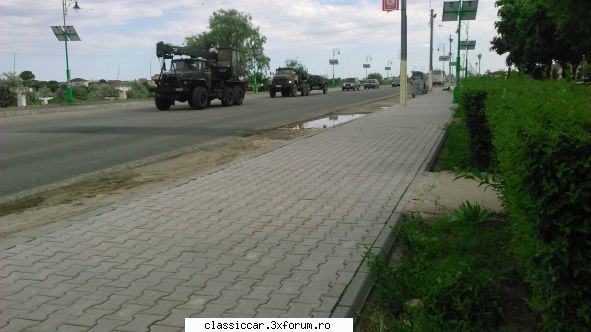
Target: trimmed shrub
[541,133]
[480,137]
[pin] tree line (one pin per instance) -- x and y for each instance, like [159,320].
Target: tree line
[534,34]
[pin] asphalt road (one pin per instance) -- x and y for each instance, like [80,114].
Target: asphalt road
[39,150]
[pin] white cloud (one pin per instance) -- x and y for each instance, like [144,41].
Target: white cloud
[307,29]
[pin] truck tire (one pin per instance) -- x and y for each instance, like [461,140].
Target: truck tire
[272,92]
[238,95]
[308,89]
[199,98]
[228,96]
[284,93]
[303,90]
[294,91]
[324,89]
[162,104]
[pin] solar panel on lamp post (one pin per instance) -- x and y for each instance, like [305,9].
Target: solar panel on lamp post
[65,33]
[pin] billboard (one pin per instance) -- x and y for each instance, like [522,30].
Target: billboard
[389,5]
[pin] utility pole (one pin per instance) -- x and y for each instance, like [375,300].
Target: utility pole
[403,76]
[449,74]
[467,38]
[431,17]
[456,96]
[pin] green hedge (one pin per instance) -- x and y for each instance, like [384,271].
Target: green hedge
[541,137]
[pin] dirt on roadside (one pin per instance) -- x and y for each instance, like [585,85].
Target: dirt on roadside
[105,188]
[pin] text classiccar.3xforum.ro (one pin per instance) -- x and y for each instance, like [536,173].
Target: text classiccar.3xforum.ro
[274,325]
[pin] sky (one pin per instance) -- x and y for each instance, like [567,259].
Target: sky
[119,37]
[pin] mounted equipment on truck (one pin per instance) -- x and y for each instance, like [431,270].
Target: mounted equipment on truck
[198,76]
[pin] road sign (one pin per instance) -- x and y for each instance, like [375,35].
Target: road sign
[366,65]
[444,58]
[467,44]
[388,68]
[333,61]
[389,5]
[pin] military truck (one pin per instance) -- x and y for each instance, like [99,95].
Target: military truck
[288,81]
[198,76]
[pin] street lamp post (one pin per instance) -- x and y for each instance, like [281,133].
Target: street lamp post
[479,57]
[69,94]
[367,59]
[333,62]
[388,64]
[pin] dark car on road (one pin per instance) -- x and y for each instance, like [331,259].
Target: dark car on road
[395,82]
[371,83]
[351,84]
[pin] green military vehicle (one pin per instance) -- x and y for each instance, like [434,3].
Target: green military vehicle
[288,81]
[198,76]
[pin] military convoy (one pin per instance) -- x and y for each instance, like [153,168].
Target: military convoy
[198,76]
[289,81]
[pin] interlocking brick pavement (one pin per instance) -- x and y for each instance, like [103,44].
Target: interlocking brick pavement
[278,235]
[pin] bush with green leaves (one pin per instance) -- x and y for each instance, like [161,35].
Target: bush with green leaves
[137,91]
[451,274]
[541,133]
[481,148]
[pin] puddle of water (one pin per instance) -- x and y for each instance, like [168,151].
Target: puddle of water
[328,122]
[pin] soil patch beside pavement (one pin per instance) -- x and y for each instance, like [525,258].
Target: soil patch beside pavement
[90,193]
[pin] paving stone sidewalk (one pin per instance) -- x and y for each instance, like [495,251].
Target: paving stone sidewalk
[277,235]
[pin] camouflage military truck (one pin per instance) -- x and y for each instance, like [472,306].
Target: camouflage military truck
[289,81]
[198,76]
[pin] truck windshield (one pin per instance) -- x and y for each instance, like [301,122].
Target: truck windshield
[188,65]
[283,71]
[349,80]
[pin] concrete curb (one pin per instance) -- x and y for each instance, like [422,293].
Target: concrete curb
[70,108]
[352,300]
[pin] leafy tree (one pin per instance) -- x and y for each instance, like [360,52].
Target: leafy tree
[376,76]
[27,75]
[295,63]
[12,79]
[7,97]
[234,29]
[533,33]
[44,91]
[573,29]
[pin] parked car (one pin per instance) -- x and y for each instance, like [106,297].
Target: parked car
[395,82]
[371,83]
[351,83]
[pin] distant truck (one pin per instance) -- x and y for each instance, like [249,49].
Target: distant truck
[289,81]
[438,77]
[198,76]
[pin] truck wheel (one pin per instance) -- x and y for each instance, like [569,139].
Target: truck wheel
[238,95]
[294,91]
[199,98]
[284,93]
[303,90]
[324,89]
[163,104]
[308,89]
[228,96]
[272,92]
